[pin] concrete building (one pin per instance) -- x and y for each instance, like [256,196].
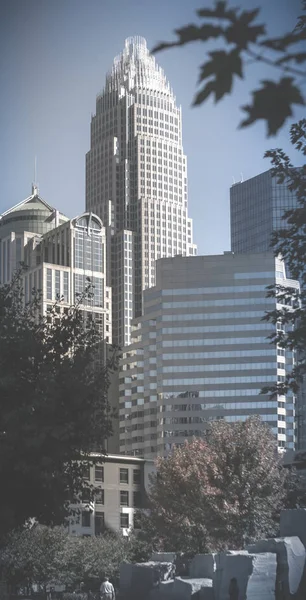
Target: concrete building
[31,217]
[122,482]
[257,206]
[200,352]
[136,178]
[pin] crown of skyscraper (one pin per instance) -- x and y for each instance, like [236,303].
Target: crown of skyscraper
[134,68]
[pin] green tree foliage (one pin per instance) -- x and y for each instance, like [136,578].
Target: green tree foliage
[54,407]
[290,243]
[219,492]
[43,555]
[245,41]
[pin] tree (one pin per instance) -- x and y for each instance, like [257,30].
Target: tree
[44,555]
[219,492]
[290,243]
[54,407]
[243,42]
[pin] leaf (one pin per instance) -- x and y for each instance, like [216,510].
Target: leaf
[220,12]
[273,103]
[223,65]
[241,32]
[191,33]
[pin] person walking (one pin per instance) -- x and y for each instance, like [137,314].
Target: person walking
[233,589]
[107,591]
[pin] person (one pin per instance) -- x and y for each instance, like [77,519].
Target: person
[107,591]
[233,589]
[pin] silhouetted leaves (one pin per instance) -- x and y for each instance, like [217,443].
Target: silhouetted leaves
[237,27]
[273,104]
[224,66]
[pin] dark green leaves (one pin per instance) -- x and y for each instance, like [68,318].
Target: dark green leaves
[245,39]
[223,66]
[273,103]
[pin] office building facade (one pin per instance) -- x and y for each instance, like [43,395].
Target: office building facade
[122,484]
[61,256]
[256,208]
[136,178]
[200,352]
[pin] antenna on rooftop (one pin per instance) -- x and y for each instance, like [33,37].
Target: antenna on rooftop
[233,178]
[241,180]
[34,184]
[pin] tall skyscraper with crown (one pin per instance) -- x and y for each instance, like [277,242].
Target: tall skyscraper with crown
[136,178]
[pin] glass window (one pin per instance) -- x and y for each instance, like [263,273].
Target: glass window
[124,520]
[66,286]
[136,476]
[124,476]
[57,285]
[99,523]
[137,499]
[86,474]
[99,473]
[85,518]
[99,497]
[49,284]
[124,498]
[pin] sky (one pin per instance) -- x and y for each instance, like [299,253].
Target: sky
[54,55]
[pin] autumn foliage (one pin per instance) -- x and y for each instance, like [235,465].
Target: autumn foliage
[218,492]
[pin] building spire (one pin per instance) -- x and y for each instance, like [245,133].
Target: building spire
[34,184]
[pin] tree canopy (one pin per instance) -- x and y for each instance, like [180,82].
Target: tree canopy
[219,492]
[54,406]
[243,42]
[41,555]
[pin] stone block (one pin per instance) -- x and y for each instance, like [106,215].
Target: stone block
[262,581]
[163,557]
[139,578]
[290,560]
[260,568]
[293,522]
[203,565]
[187,588]
[163,592]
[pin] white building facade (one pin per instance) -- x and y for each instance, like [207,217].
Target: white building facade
[136,178]
[201,352]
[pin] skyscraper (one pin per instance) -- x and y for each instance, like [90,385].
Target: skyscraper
[257,207]
[201,352]
[136,178]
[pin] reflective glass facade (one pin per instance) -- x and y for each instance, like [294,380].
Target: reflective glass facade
[180,370]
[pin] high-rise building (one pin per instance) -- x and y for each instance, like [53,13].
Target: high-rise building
[200,352]
[257,206]
[136,178]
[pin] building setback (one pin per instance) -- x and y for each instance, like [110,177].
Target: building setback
[200,352]
[136,178]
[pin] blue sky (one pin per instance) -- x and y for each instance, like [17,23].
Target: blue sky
[54,55]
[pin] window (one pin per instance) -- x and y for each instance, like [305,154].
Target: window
[137,520]
[124,498]
[85,518]
[124,476]
[99,497]
[136,476]
[99,523]
[137,499]
[49,284]
[124,520]
[99,473]
[86,472]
